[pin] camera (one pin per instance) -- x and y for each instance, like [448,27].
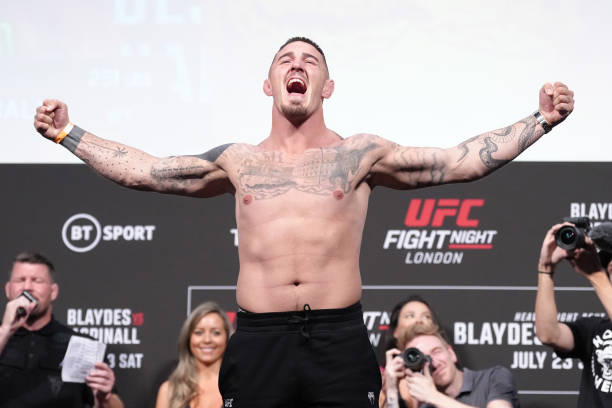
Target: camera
[414,359]
[571,237]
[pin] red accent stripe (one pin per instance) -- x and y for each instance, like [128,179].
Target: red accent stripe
[470,246]
[383,327]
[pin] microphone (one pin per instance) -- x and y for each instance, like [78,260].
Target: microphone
[21,312]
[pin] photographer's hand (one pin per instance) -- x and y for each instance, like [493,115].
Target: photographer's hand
[550,253]
[586,262]
[423,389]
[394,372]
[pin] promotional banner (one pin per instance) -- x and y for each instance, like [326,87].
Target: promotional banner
[131,265]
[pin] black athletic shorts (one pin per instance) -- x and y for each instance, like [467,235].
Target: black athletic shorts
[309,358]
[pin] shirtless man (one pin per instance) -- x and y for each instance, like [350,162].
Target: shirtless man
[301,201]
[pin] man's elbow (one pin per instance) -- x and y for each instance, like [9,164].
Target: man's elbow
[548,337]
[470,173]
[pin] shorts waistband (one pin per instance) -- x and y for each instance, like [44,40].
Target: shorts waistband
[351,314]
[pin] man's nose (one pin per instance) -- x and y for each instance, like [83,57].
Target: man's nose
[27,285]
[297,64]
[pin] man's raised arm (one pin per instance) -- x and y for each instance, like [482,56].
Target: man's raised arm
[133,168]
[409,167]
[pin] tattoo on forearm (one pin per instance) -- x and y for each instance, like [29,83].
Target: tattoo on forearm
[486,154]
[527,136]
[464,149]
[437,171]
[120,152]
[320,172]
[117,151]
[504,136]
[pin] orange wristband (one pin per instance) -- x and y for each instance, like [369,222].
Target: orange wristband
[64,132]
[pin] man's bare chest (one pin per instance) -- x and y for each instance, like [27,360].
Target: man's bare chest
[324,171]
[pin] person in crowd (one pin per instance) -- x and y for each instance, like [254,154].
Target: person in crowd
[440,383]
[301,198]
[202,342]
[33,345]
[411,310]
[588,338]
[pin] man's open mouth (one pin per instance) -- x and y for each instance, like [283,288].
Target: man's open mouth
[296,85]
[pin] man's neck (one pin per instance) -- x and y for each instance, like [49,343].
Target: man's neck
[296,138]
[453,389]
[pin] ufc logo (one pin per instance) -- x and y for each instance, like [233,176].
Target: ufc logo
[433,212]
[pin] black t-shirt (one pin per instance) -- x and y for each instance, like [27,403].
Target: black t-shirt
[593,346]
[30,371]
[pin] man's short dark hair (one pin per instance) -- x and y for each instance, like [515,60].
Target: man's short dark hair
[307,41]
[35,258]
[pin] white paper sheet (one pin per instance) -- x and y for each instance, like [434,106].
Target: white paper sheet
[81,356]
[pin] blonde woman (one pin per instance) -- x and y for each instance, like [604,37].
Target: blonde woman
[202,342]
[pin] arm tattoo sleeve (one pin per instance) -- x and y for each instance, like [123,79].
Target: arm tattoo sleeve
[213,154]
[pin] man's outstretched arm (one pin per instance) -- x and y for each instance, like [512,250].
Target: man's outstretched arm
[410,167]
[130,167]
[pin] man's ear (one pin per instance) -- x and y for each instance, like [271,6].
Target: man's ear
[267,87]
[328,88]
[54,291]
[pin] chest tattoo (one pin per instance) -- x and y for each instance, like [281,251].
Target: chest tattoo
[270,174]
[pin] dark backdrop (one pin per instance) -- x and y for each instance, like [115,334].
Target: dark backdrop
[132,264]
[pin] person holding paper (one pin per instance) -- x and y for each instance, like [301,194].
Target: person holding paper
[33,345]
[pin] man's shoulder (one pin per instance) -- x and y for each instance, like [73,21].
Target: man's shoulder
[589,323]
[496,373]
[366,144]
[364,138]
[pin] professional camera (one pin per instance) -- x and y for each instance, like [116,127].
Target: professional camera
[414,359]
[573,236]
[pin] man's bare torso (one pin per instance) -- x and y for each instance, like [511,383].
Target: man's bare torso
[300,220]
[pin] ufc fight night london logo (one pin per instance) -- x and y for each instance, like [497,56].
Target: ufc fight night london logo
[440,230]
[83,232]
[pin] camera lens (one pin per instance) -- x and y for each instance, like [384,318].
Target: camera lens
[567,236]
[413,356]
[570,237]
[414,359]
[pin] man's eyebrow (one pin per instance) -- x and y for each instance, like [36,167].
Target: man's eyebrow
[292,55]
[307,55]
[287,54]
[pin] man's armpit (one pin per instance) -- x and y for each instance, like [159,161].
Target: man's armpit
[214,153]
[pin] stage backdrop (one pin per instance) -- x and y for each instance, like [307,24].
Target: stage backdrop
[132,264]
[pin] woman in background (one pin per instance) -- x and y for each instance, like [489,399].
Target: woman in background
[202,342]
[413,309]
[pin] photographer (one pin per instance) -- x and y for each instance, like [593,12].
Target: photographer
[440,383]
[589,339]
